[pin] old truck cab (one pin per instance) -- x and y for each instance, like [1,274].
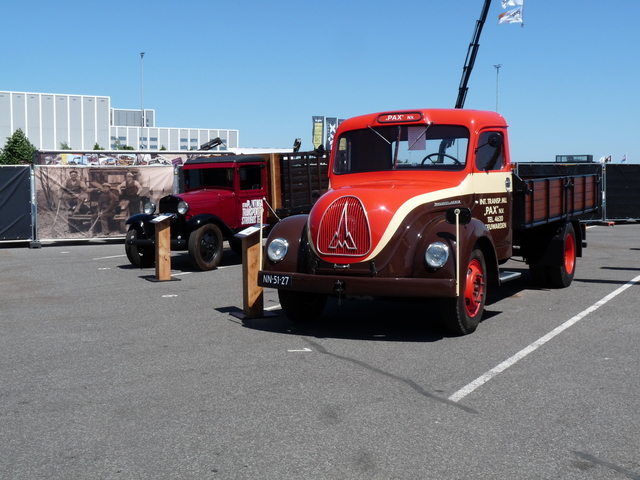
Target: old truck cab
[425,204]
[221,196]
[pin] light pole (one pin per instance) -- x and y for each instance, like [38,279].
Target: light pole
[142,94]
[497,67]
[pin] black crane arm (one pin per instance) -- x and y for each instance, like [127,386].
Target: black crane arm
[471,56]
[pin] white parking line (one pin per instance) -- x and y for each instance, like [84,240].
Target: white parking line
[112,256]
[481,380]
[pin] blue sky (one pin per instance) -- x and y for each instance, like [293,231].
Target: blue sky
[567,85]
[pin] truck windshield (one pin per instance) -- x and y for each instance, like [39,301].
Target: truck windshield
[402,147]
[208,178]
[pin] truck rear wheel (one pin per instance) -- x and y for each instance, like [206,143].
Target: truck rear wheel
[302,307]
[205,247]
[140,257]
[461,315]
[561,276]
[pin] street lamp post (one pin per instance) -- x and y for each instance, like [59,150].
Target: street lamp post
[142,95]
[497,67]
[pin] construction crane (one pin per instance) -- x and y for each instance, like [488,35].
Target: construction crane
[471,56]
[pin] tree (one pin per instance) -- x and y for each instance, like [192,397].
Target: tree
[97,147]
[64,146]
[119,146]
[18,150]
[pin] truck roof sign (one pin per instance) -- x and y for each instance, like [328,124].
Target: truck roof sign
[399,117]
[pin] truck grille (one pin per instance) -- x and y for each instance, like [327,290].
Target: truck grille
[169,204]
[344,229]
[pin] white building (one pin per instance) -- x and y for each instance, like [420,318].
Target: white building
[80,121]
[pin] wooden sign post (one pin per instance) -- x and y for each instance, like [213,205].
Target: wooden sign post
[252,294]
[163,247]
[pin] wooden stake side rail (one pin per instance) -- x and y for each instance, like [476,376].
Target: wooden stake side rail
[538,201]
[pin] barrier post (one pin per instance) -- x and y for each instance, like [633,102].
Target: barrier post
[163,247]
[252,294]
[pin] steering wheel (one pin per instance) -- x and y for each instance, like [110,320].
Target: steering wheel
[428,157]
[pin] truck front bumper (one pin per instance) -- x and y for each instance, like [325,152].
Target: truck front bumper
[359,286]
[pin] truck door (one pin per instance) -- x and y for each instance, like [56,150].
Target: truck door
[251,190]
[493,187]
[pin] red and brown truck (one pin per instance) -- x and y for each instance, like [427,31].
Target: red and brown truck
[426,204]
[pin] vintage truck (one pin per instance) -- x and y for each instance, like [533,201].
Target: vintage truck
[224,194]
[425,204]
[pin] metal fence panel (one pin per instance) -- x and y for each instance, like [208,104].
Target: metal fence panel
[15,203]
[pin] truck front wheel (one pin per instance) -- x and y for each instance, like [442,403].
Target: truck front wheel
[141,257]
[561,276]
[462,314]
[205,247]
[302,307]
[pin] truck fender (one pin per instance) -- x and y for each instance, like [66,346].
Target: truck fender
[294,230]
[477,235]
[473,235]
[197,221]
[552,252]
[139,218]
[143,220]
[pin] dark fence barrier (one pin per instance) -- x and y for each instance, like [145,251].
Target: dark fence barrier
[15,203]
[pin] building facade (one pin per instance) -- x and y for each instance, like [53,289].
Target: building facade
[82,121]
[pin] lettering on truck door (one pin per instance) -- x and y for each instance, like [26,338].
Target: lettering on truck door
[492,184]
[252,189]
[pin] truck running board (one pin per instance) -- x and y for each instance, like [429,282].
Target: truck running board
[508,276]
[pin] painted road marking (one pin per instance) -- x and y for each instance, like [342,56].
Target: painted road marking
[301,350]
[481,380]
[111,256]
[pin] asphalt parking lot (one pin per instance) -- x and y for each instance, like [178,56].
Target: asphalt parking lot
[107,375]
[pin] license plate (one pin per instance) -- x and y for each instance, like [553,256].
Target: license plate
[276,279]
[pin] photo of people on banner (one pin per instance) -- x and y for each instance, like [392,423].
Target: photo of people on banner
[86,202]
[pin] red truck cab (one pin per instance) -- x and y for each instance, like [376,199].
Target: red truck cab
[222,195]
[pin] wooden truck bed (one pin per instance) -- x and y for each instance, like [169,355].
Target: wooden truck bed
[296,181]
[563,193]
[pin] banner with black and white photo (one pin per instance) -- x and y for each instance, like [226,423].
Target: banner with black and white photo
[76,201]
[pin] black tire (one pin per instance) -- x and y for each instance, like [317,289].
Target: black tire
[205,247]
[235,244]
[461,315]
[561,276]
[141,257]
[302,307]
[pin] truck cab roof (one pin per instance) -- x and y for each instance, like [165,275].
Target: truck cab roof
[225,159]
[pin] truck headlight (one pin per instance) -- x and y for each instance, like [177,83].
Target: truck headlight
[183,207]
[149,208]
[277,249]
[436,255]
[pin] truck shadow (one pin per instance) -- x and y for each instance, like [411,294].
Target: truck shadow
[377,320]
[380,320]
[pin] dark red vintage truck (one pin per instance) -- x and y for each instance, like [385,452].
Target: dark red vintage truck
[426,204]
[222,195]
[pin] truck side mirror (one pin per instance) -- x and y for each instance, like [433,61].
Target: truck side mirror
[495,140]
[463,214]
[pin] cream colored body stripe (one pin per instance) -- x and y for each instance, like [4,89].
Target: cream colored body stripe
[475,183]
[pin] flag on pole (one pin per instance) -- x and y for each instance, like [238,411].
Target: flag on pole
[512,3]
[624,159]
[511,16]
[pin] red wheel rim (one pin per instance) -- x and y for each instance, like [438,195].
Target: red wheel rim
[569,254]
[474,288]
